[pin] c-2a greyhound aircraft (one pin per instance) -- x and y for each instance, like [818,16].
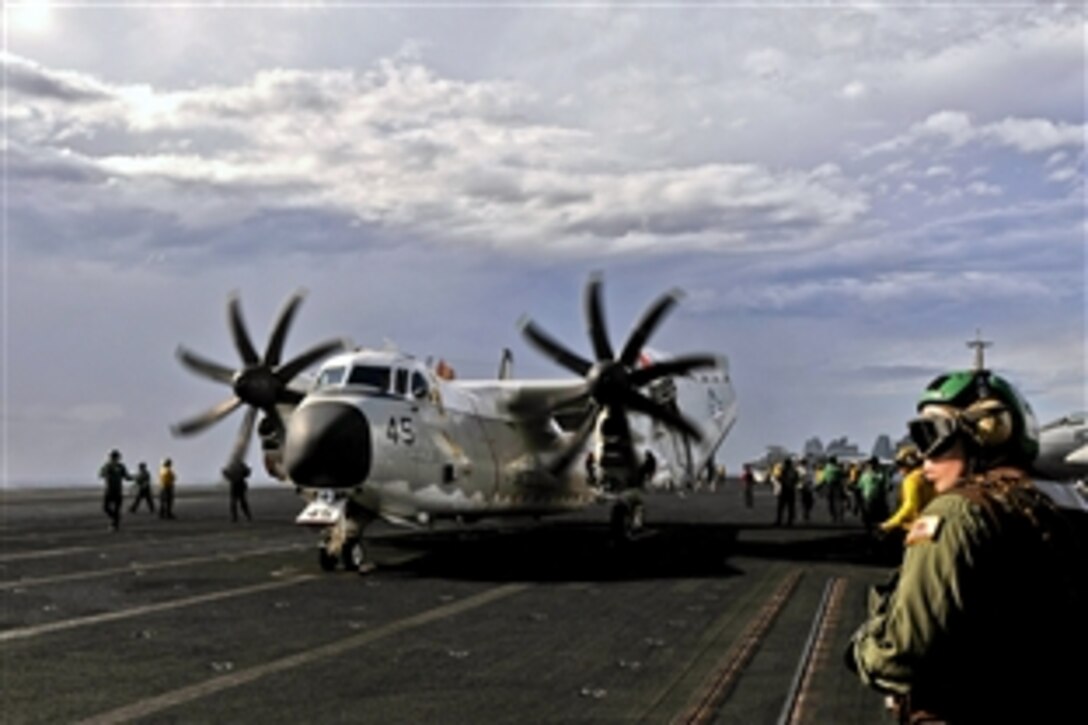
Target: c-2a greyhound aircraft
[382,434]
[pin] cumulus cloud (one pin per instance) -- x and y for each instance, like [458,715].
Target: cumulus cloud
[956,128]
[766,63]
[31,81]
[888,288]
[853,89]
[399,147]
[1035,134]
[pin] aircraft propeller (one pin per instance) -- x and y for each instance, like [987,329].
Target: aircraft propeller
[261,382]
[612,383]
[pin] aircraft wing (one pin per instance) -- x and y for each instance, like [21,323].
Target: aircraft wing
[544,409]
[529,399]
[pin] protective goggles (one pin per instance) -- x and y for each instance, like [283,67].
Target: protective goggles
[934,435]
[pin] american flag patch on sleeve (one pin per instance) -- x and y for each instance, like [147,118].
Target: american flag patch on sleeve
[924,528]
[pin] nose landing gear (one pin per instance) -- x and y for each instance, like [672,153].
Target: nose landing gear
[342,523]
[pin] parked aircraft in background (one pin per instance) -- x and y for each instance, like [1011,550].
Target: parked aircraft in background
[1063,449]
[814,450]
[381,433]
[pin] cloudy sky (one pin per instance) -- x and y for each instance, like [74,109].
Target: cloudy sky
[845,192]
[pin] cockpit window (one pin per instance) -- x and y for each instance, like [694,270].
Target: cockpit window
[371,377]
[401,387]
[329,377]
[419,385]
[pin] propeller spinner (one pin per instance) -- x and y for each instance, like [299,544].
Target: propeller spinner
[261,382]
[612,383]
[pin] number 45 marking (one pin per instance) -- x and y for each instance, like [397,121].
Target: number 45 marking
[401,431]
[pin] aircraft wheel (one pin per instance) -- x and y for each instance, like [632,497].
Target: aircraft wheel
[353,554]
[326,559]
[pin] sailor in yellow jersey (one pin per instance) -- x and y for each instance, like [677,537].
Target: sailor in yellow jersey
[914,491]
[167,479]
[982,623]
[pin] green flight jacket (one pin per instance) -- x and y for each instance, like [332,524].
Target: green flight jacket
[114,474]
[974,625]
[873,485]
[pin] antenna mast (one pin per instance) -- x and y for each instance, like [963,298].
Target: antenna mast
[979,345]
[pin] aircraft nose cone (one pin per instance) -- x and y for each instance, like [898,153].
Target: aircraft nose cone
[328,446]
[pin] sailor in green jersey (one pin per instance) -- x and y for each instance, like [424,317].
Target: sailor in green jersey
[980,621]
[114,474]
[143,488]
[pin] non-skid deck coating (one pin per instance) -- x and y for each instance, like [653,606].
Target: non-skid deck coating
[707,618]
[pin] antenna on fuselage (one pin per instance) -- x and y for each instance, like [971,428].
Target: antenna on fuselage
[506,364]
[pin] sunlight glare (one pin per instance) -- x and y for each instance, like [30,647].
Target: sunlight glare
[31,15]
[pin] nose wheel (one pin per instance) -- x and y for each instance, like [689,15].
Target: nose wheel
[327,559]
[353,554]
[342,542]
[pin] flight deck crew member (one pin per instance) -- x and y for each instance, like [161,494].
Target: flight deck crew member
[236,474]
[748,484]
[804,487]
[915,491]
[167,479]
[143,488]
[786,477]
[872,488]
[114,474]
[980,621]
[833,480]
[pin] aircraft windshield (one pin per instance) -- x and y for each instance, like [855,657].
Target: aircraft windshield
[370,376]
[330,377]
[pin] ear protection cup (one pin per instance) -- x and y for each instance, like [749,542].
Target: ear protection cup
[988,422]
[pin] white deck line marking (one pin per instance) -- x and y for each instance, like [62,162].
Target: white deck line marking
[146,566]
[27,632]
[44,553]
[152,705]
[131,535]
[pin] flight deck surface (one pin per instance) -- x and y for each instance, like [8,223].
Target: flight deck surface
[713,615]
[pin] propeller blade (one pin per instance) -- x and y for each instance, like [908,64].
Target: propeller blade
[554,349]
[318,352]
[241,443]
[598,332]
[205,368]
[289,397]
[646,327]
[238,332]
[639,402]
[274,350]
[575,445]
[212,415]
[678,366]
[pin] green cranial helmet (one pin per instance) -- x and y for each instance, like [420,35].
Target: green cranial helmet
[989,412]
